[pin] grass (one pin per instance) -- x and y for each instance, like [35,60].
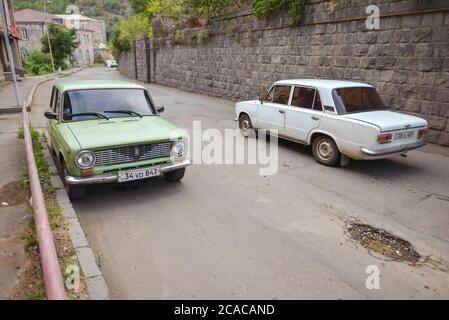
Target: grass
[66,252]
[99,259]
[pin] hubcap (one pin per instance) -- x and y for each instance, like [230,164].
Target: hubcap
[245,126]
[324,150]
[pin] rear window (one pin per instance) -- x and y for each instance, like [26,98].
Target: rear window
[358,99]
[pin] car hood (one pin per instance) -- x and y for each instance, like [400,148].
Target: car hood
[388,120]
[94,134]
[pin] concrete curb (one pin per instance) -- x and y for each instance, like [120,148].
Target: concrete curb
[96,285]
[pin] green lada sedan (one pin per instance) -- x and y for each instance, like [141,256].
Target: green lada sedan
[111,132]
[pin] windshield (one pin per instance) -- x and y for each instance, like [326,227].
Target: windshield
[350,100]
[84,104]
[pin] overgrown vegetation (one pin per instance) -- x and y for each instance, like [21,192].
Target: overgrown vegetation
[33,284]
[138,24]
[37,63]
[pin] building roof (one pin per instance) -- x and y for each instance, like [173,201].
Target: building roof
[321,83]
[69,85]
[34,16]
[75,17]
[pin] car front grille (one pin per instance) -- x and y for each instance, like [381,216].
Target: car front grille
[132,154]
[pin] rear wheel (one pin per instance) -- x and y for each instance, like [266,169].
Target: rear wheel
[74,192]
[325,150]
[175,175]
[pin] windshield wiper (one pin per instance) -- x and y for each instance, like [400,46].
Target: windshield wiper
[95,114]
[124,111]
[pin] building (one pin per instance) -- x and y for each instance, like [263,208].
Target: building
[84,54]
[14,37]
[32,26]
[98,28]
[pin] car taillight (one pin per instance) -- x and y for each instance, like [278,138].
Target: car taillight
[385,138]
[422,133]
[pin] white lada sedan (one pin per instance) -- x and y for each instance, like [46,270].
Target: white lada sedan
[340,119]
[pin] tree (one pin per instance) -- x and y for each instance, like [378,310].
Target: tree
[63,43]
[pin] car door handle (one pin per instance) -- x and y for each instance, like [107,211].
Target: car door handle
[282,111]
[315,118]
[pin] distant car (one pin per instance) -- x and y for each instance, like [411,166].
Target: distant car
[335,117]
[111,63]
[111,132]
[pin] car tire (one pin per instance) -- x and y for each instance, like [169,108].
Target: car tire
[325,150]
[74,192]
[246,127]
[175,175]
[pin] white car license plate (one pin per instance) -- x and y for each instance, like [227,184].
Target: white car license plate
[404,135]
[138,174]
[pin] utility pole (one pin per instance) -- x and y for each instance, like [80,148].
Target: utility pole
[48,36]
[9,52]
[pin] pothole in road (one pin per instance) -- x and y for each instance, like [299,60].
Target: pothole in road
[383,242]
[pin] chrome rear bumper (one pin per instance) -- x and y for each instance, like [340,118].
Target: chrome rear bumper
[112,177]
[393,150]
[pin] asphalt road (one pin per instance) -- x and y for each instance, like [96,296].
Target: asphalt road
[227,232]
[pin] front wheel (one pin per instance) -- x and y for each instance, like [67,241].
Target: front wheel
[246,127]
[175,175]
[325,150]
[74,192]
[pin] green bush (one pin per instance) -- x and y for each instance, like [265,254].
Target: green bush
[37,63]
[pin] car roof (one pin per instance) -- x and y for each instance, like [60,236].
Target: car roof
[69,85]
[322,83]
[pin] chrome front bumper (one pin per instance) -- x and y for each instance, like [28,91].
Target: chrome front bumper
[393,150]
[113,177]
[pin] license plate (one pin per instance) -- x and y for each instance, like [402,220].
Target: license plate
[138,174]
[404,135]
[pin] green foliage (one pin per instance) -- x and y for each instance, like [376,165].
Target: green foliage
[37,63]
[295,8]
[63,43]
[138,24]
[261,8]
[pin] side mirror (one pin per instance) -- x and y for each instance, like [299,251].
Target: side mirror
[50,115]
[263,92]
[160,109]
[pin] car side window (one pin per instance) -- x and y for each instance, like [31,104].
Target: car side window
[303,97]
[279,95]
[67,108]
[318,106]
[57,99]
[52,100]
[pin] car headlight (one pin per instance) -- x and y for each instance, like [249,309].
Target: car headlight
[85,159]
[179,150]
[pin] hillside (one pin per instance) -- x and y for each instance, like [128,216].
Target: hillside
[109,10]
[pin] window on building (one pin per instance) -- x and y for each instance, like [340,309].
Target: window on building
[23,33]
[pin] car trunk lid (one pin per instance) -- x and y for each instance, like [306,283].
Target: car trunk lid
[388,120]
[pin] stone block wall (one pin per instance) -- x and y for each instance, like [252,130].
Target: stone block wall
[407,59]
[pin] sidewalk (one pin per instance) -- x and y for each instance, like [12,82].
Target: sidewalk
[13,205]
[8,102]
